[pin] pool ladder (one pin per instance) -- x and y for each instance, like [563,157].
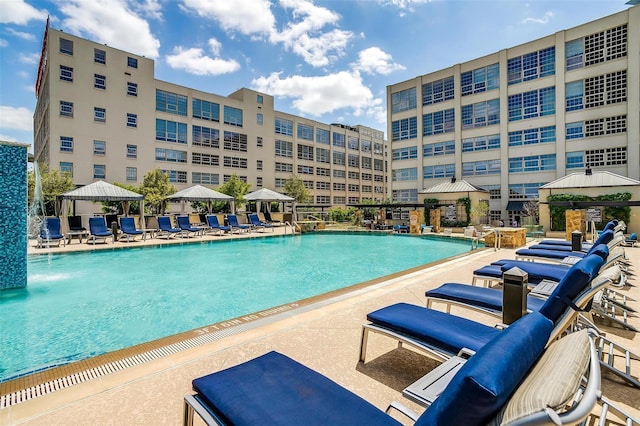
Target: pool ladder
[290,226]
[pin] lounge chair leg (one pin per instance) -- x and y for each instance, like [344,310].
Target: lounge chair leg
[363,344]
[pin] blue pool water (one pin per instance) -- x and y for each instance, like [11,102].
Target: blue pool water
[79,305]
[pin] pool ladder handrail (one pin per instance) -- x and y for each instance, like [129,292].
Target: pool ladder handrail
[290,226]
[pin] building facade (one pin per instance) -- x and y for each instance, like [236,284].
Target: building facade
[101,114]
[519,118]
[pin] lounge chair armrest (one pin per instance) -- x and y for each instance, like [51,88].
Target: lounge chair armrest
[403,409]
[466,353]
[501,326]
[192,403]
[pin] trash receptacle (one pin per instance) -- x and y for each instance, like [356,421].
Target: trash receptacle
[114,230]
[576,241]
[514,294]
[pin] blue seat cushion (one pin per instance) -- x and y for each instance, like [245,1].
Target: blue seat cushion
[485,382]
[573,283]
[436,329]
[273,389]
[488,298]
[550,254]
[536,271]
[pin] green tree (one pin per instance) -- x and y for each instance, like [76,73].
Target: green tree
[294,187]
[156,188]
[53,183]
[236,188]
[115,207]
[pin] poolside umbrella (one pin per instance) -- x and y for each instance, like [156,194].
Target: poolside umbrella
[200,193]
[265,194]
[103,191]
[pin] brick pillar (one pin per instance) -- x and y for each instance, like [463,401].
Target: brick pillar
[434,219]
[576,220]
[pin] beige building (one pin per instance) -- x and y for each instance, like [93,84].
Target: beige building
[515,120]
[102,115]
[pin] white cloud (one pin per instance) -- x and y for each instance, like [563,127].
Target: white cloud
[30,58]
[194,61]
[322,94]
[214,46]
[246,16]
[7,138]
[150,8]
[375,60]
[3,42]
[544,20]
[16,118]
[21,34]
[404,4]
[20,12]
[111,22]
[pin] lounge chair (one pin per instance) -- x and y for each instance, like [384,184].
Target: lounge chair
[557,256]
[214,225]
[631,240]
[187,229]
[50,233]
[165,229]
[269,219]
[611,225]
[75,223]
[233,223]
[442,335]
[98,230]
[256,223]
[128,228]
[503,381]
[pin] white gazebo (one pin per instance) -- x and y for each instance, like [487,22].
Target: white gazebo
[200,193]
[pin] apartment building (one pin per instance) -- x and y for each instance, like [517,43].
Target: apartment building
[519,118]
[101,114]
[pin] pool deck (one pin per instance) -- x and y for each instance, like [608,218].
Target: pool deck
[325,336]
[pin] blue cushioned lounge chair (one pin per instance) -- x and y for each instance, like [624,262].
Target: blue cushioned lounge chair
[98,230]
[165,229]
[128,228]
[492,385]
[234,224]
[187,229]
[50,233]
[214,225]
[442,335]
[631,240]
[256,223]
[607,237]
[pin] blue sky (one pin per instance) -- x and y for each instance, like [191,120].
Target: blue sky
[329,60]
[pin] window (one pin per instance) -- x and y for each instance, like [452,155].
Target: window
[597,91]
[205,178]
[280,182]
[339,186]
[481,114]
[531,66]
[574,95]
[410,173]
[405,153]
[176,176]
[439,148]
[339,158]
[284,167]
[378,149]
[604,126]
[99,81]
[322,171]
[305,132]
[259,182]
[66,144]
[66,46]
[259,141]
[533,163]
[171,155]
[170,131]
[479,168]
[204,136]
[205,159]
[532,136]
[323,155]
[354,175]
[437,91]
[171,103]
[575,160]
[405,195]
[378,165]
[305,152]
[66,73]
[258,164]
[536,103]
[99,147]
[205,110]
[480,80]
[438,122]
[132,173]
[99,171]
[259,99]
[235,162]
[232,116]
[99,56]
[574,130]
[606,157]
[353,160]
[284,149]
[234,141]
[305,170]
[283,127]
[353,187]
[99,114]
[366,163]
[66,109]
[132,62]
[596,48]
[494,191]
[481,143]
[339,200]
[66,167]
[439,171]
[322,136]
[367,176]
[338,140]
[403,100]
[132,89]
[353,143]
[259,119]
[339,173]
[323,199]
[404,129]
[132,151]
[366,146]
[132,120]
[573,51]
[523,191]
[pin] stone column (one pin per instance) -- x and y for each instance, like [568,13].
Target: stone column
[576,220]
[434,220]
[13,215]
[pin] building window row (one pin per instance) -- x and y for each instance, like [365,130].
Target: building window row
[480,168]
[171,155]
[234,141]
[323,171]
[439,148]
[205,110]
[205,159]
[480,80]
[284,167]
[403,100]
[171,131]
[536,103]
[232,116]
[323,136]
[204,136]
[283,127]
[494,191]
[481,114]
[596,127]
[99,147]
[339,173]
[596,91]
[437,91]
[205,178]
[284,148]
[406,128]
[323,155]
[596,48]
[531,66]
[305,152]
[353,175]
[305,170]
[405,153]
[339,140]
[532,136]
[597,158]
[235,162]
[532,163]
[524,191]
[172,103]
[438,122]
[305,132]
[339,158]
[353,143]
[439,171]
[405,195]
[323,186]
[176,176]
[481,143]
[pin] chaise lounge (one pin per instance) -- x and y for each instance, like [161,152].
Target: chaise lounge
[128,228]
[165,229]
[98,230]
[50,233]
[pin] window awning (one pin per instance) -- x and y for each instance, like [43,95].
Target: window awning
[515,206]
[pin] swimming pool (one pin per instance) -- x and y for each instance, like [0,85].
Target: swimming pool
[79,305]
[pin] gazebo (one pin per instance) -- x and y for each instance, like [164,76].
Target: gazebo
[200,193]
